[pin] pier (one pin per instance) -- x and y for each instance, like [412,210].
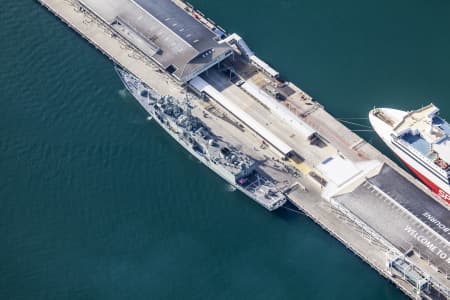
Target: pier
[399,230]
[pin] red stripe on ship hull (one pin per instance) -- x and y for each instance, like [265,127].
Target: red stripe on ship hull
[434,188]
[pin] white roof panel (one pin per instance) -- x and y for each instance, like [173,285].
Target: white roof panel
[338,170]
[258,61]
[203,86]
[279,109]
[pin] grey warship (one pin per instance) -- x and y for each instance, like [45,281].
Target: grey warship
[174,116]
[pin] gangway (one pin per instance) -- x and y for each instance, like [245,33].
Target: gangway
[235,39]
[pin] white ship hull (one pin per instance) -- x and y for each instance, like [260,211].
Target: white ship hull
[416,165]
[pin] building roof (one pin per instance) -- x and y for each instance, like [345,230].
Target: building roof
[403,214]
[181,23]
[202,86]
[163,31]
[279,109]
[338,170]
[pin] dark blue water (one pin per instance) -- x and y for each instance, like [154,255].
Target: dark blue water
[96,202]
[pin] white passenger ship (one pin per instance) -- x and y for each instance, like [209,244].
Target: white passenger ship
[421,139]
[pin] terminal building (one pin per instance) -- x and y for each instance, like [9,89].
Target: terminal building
[164,32]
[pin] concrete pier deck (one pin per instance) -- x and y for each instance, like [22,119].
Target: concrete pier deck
[338,216]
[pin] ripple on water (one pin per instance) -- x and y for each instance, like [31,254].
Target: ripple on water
[230,188]
[123,93]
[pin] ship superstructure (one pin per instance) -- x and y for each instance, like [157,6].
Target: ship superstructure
[421,139]
[237,168]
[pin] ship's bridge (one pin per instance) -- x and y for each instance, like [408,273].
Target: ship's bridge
[421,122]
[426,133]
